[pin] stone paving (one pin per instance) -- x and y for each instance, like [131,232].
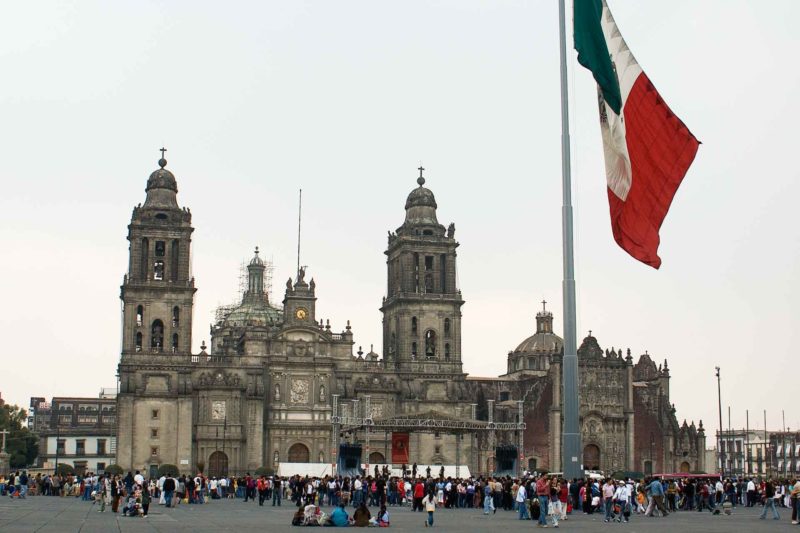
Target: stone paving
[53,514]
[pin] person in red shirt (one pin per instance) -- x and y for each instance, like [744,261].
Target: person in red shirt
[419,493]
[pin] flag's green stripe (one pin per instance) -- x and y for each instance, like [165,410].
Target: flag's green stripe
[593,50]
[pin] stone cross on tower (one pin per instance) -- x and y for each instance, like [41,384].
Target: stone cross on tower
[544,305]
[3,433]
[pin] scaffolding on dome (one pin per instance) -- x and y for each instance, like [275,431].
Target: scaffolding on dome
[223,310]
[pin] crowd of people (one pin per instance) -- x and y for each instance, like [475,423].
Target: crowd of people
[546,499]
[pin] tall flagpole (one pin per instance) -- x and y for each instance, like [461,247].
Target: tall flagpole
[571,437]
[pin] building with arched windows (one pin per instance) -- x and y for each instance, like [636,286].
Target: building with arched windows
[262,392]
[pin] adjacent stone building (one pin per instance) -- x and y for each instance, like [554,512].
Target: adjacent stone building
[262,392]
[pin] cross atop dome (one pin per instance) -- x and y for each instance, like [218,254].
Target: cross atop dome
[420,179]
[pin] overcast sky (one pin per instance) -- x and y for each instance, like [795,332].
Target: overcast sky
[345,99]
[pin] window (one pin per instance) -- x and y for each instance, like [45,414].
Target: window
[174,343]
[413,349]
[447,352]
[101,446]
[416,272]
[138,341]
[157,335]
[87,419]
[153,433]
[153,450]
[176,316]
[430,344]
[446,327]
[61,446]
[64,420]
[437,449]
[442,273]
[80,447]
[139,315]
[428,262]
[504,396]
[413,325]
[109,420]
[154,414]
[173,263]
[145,259]
[160,248]
[158,270]
[101,468]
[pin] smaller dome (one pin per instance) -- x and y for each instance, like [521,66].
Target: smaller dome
[421,207]
[541,342]
[421,197]
[162,179]
[256,260]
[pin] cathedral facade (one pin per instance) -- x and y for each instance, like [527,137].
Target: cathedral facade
[263,392]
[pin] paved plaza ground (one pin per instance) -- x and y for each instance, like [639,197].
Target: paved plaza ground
[70,514]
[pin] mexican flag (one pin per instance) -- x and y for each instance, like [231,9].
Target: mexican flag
[647,148]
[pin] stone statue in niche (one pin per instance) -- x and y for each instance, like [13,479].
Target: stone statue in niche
[275,457]
[451,230]
[277,395]
[322,393]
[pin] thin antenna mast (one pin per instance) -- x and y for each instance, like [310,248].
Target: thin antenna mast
[299,220]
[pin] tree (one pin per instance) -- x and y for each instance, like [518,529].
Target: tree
[114,470]
[168,470]
[65,469]
[21,443]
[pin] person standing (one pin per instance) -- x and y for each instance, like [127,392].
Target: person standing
[543,494]
[522,495]
[608,500]
[769,501]
[429,501]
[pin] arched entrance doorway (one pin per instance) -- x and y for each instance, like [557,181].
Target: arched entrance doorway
[684,468]
[298,453]
[377,458]
[218,465]
[591,457]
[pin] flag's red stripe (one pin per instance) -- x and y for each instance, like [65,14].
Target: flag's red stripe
[661,149]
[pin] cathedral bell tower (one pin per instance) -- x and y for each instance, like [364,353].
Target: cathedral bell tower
[422,308]
[158,291]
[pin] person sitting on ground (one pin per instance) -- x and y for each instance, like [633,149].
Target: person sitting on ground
[299,516]
[361,516]
[339,517]
[382,519]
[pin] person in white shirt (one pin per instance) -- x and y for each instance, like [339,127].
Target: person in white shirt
[751,493]
[139,478]
[522,504]
[622,497]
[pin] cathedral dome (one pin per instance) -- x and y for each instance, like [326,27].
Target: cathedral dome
[253,313]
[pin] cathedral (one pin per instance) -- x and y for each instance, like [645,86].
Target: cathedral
[265,391]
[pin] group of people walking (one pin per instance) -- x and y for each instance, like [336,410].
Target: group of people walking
[546,499]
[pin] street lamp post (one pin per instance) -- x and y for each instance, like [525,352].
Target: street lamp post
[719,443]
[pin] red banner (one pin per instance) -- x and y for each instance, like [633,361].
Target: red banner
[400,448]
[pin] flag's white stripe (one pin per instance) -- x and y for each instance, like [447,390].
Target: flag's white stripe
[627,67]
[619,175]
